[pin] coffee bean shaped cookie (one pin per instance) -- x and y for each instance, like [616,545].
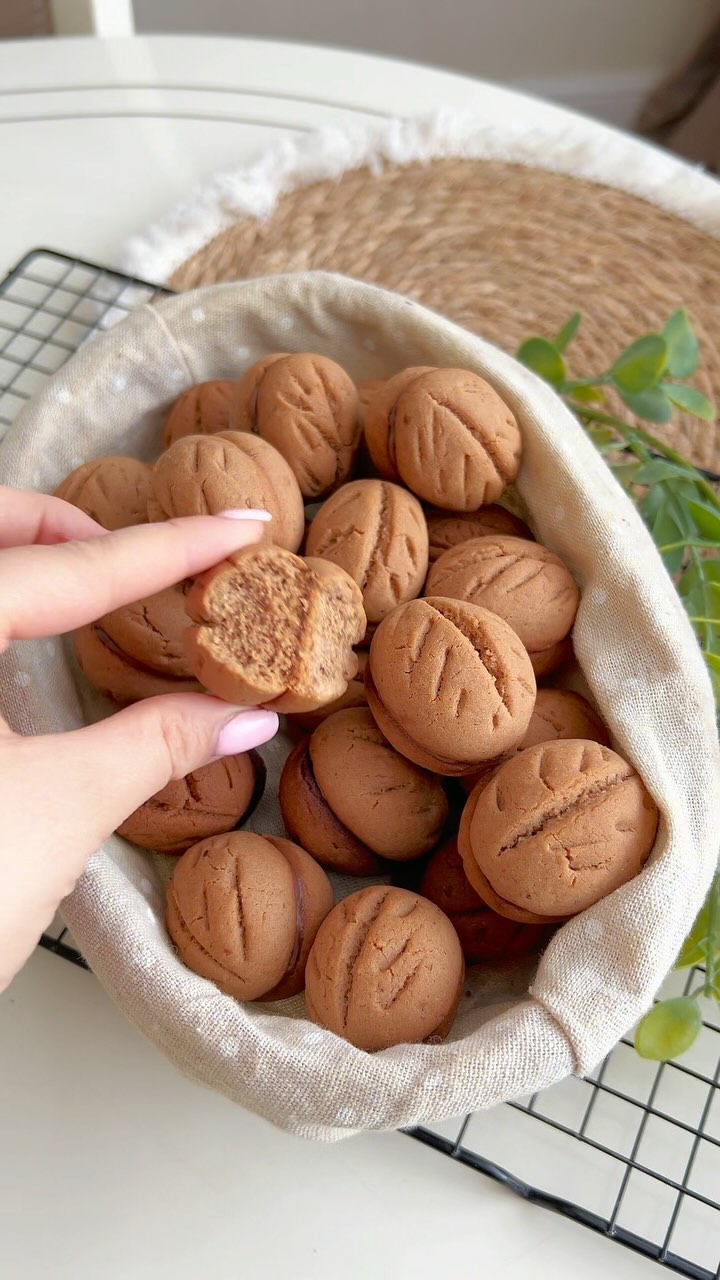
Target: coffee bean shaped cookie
[350,799]
[367,390]
[523,582]
[484,935]
[447,529]
[137,651]
[547,662]
[354,696]
[559,827]
[112,491]
[376,532]
[243,911]
[450,684]
[379,420]
[200,411]
[207,802]
[204,475]
[274,630]
[386,968]
[307,407]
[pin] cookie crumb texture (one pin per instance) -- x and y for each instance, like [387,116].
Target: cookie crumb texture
[386,968]
[243,910]
[275,630]
[559,827]
[207,802]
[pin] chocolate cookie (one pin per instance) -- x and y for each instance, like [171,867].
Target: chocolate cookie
[447,529]
[386,968]
[204,475]
[274,630]
[137,651]
[449,684]
[307,407]
[483,934]
[354,696]
[376,532]
[379,420]
[522,582]
[350,799]
[207,802]
[559,827]
[112,491]
[201,411]
[243,911]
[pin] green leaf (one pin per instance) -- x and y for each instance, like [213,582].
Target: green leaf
[690,400]
[683,352]
[669,1029]
[707,519]
[694,948]
[567,333]
[652,405]
[602,436]
[626,473]
[659,470]
[544,359]
[639,367]
[713,665]
[586,395]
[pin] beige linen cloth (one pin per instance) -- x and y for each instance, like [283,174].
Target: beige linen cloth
[632,639]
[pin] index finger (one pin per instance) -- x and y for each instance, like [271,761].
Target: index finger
[27,517]
[45,591]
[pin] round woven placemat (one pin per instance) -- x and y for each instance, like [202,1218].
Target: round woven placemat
[505,250]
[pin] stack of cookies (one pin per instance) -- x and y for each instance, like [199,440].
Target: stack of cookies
[402,626]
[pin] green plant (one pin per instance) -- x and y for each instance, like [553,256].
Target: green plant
[682,511]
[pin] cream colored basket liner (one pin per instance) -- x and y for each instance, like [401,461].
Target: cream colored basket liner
[632,639]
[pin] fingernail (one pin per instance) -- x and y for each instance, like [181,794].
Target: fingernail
[244,513]
[246,730]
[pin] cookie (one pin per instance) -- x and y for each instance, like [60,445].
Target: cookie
[483,934]
[243,911]
[447,529]
[379,420]
[308,408]
[354,696]
[207,802]
[205,475]
[137,651]
[385,968]
[112,491]
[274,630]
[558,713]
[201,411]
[376,532]
[522,582]
[367,390]
[450,684]
[559,827]
[350,799]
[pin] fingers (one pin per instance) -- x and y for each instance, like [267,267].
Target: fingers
[48,590]
[28,518]
[91,780]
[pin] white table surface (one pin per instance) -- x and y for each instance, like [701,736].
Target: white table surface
[113,1166]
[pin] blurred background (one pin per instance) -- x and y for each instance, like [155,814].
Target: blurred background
[653,65]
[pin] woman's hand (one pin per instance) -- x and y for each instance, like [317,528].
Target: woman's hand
[62,795]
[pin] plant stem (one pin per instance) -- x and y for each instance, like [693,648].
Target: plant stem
[712,963]
[689,542]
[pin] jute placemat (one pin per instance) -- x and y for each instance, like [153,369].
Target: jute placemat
[505,249]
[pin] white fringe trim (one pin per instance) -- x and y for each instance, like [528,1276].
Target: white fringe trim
[583,149]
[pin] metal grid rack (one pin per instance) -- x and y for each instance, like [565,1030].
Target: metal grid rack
[636,1146]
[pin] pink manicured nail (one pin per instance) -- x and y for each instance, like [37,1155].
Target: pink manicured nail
[244,513]
[246,730]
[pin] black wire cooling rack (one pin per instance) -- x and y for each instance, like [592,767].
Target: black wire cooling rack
[633,1151]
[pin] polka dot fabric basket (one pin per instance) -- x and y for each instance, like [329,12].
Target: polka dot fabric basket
[515,1032]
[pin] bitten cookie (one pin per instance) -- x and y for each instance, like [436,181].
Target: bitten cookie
[201,411]
[449,437]
[349,798]
[447,529]
[376,532]
[483,934]
[354,696]
[386,968]
[274,630]
[307,407]
[243,911]
[559,827]
[522,582]
[449,684]
[204,475]
[137,651]
[206,802]
[112,491]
